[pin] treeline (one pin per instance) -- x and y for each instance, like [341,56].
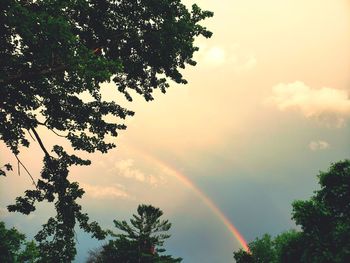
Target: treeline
[324,221]
[324,237]
[141,240]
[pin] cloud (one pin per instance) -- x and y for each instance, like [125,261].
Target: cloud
[233,57]
[126,169]
[215,56]
[105,192]
[318,145]
[328,105]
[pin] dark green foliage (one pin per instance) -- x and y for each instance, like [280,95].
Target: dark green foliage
[146,226]
[263,250]
[325,224]
[242,256]
[285,248]
[54,52]
[289,247]
[141,240]
[325,218]
[14,248]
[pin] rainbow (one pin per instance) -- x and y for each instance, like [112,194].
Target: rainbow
[213,207]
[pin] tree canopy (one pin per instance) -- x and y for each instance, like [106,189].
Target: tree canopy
[54,52]
[140,241]
[325,218]
[285,248]
[324,222]
[14,247]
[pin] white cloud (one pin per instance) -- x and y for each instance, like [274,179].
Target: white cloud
[105,192]
[318,145]
[328,105]
[126,169]
[233,57]
[215,56]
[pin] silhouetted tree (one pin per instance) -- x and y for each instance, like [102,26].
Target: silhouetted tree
[261,250]
[141,241]
[283,248]
[52,52]
[324,222]
[14,247]
[325,218]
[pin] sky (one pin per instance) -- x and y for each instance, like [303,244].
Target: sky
[266,108]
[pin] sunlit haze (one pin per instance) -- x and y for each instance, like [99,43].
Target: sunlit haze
[266,108]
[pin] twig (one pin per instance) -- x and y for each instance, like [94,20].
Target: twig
[60,135]
[25,168]
[31,135]
[44,124]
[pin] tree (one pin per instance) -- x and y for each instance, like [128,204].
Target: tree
[141,241]
[261,251]
[284,248]
[94,255]
[324,222]
[289,247]
[53,52]
[325,218]
[14,247]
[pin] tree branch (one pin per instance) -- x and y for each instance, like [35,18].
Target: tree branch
[25,168]
[51,129]
[60,135]
[32,74]
[31,135]
[42,72]
[40,142]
